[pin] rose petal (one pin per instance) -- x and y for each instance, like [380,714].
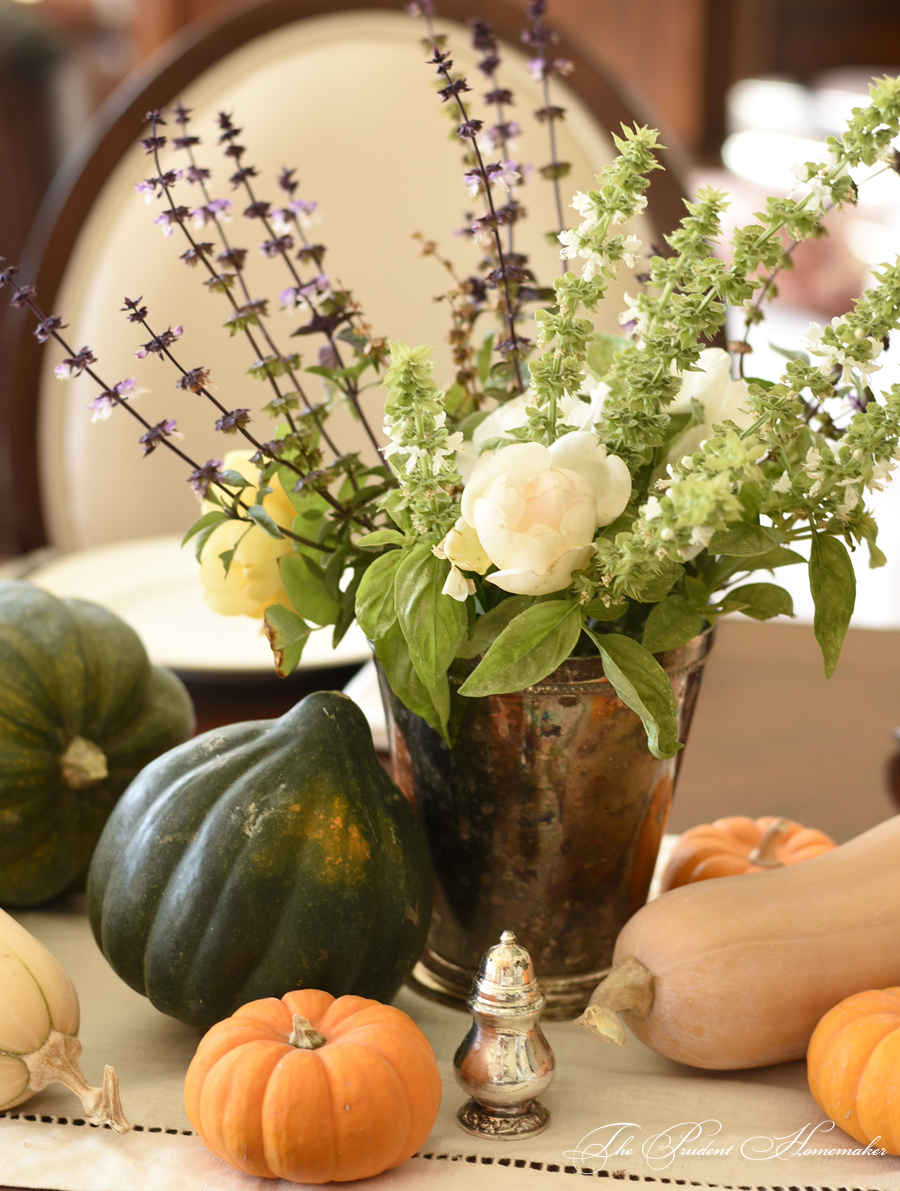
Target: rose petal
[608,475]
[523,582]
[526,456]
[708,385]
[464,549]
[457,586]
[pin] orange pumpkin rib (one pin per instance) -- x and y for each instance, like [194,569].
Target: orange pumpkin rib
[882,1000]
[741,827]
[722,866]
[684,862]
[311,1003]
[878,1094]
[812,837]
[400,1049]
[374,1133]
[800,855]
[267,1010]
[219,1041]
[710,841]
[297,1119]
[842,1067]
[229,1121]
[340,1018]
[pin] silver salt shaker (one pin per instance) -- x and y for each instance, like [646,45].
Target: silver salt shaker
[504,1062]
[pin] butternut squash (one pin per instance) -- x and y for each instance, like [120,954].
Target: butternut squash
[736,973]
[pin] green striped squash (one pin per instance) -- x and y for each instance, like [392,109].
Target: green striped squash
[82,710]
[259,858]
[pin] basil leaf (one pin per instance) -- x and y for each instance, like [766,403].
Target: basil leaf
[260,517]
[234,479]
[678,424]
[227,556]
[431,704]
[750,497]
[832,582]
[304,583]
[869,529]
[529,648]
[375,609]
[287,633]
[779,556]
[601,350]
[670,624]
[381,537]
[650,588]
[484,357]
[597,610]
[333,571]
[308,504]
[208,521]
[643,685]
[491,625]
[743,541]
[433,624]
[696,591]
[760,601]
[347,608]
[203,537]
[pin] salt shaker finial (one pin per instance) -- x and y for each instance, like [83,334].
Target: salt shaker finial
[504,1062]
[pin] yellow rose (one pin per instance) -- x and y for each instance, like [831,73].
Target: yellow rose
[253,581]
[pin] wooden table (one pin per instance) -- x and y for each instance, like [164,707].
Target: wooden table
[772,736]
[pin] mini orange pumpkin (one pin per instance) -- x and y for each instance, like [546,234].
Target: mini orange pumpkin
[313,1089]
[853,1063]
[738,844]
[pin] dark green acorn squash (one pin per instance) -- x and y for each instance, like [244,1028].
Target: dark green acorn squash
[259,858]
[81,712]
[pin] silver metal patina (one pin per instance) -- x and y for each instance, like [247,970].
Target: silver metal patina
[504,1062]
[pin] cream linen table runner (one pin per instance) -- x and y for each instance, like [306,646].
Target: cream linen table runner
[617,1113]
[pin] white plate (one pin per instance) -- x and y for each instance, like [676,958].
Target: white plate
[154,586]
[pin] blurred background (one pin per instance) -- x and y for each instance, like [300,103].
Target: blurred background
[741,90]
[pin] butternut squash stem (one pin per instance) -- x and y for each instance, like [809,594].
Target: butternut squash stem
[763,854]
[305,1036]
[57,1062]
[630,986]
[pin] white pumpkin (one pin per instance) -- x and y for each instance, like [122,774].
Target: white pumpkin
[39,1018]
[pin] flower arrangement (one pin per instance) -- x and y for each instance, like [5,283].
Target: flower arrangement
[568,493]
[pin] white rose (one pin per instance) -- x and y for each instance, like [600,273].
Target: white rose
[534,511]
[722,399]
[513,414]
[253,581]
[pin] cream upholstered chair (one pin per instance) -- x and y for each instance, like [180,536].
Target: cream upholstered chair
[343,95]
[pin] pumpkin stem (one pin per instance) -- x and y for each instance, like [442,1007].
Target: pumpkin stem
[57,1062]
[763,854]
[83,764]
[304,1035]
[630,986]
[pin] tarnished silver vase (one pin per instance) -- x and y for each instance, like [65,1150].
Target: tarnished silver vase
[545,818]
